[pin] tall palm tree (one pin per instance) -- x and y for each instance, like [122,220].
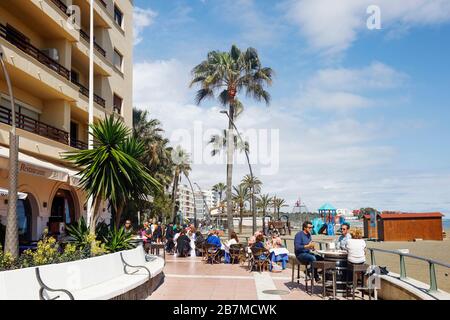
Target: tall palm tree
[111,171]
[253,184]
[240,196]
[278,203]
[263,203]
[182,166]
[225,75]
[157,155]
[220,188]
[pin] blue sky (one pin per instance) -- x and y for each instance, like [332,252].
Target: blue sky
[362,114]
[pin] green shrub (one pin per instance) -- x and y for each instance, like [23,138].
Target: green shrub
[118,240]
[6,260]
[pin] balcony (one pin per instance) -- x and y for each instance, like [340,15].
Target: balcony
[23,44]
[29,124]
[85,92]
[86,37]
[78,144]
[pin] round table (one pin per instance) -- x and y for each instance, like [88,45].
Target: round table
[340,258]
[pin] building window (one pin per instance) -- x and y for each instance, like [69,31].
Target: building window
[117,104]
[118,16]
[118,60]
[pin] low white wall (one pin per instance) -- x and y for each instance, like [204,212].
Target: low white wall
[100,277]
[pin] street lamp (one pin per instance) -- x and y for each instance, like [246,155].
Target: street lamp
[12,232]
[249,167]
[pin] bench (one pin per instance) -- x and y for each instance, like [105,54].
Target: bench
[112,276]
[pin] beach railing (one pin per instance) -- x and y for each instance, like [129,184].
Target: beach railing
[402,255]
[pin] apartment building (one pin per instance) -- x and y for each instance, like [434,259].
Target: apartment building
[186,199]
[205,202]
[47,59]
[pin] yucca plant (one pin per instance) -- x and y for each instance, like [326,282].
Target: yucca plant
[79,232]
[111,170]
[118,240]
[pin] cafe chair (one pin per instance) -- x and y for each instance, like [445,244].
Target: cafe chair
[212,253]
[358,272]
[326,267]
[296,264]
[261,258]
[237,253]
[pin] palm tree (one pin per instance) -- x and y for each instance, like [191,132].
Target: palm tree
[182,165]
[263,203]
[220,188]
[253,184]
[277,204]
[111,171]
[157,155]
[240,196]
[224,75]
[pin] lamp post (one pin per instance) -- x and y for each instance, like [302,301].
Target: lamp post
[12,232]
[250,169]
[208,219]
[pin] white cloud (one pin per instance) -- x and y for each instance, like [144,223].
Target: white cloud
[344,89]
[142,19]
[332,26]
[338,160]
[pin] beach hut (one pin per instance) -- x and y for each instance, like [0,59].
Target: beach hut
[404,226]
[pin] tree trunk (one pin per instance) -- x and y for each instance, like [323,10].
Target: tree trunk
[93,222]
[174,194]
[230,152]
[119,211]
[241,215]
[220,209]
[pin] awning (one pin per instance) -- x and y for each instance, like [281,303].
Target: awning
[40,168]
[20,195]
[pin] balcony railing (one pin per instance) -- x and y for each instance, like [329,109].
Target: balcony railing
[78,144]
[31,50]
[85,92]
[29,124]
[61,5]
[86,37]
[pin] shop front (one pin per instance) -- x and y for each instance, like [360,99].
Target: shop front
[48,197]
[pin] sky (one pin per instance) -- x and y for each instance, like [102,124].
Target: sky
[358,116]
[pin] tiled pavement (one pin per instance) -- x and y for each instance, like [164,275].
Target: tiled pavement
[192,279]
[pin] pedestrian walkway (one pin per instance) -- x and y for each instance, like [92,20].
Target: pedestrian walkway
[193,279]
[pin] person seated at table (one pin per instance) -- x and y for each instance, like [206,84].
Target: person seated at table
[303,245]
[276,241]
[234,240]
[341,243]
[199,240]
[183,244]
[356,248]
[214,239]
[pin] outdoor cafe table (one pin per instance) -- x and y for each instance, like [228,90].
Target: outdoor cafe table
[340,257]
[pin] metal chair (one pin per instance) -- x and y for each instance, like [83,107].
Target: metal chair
[261,258]
[237,252]
[358,272]
[212,253]
[326,267]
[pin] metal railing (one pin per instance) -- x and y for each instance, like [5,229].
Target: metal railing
[78,144]
[24,45]
[86,37]
[61,5]
[29,124]
[431,265]
[85,91]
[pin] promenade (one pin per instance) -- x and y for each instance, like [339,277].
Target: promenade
[192,279]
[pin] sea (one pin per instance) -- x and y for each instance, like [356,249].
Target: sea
[446,224]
